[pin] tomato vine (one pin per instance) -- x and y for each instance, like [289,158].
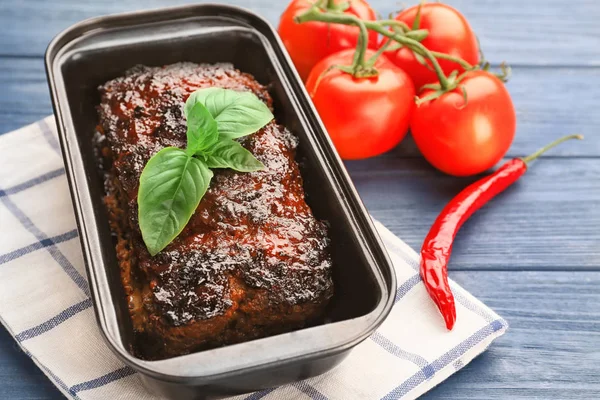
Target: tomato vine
[398,33]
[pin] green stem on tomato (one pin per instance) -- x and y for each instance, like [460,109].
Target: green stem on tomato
[408,30]
[360,67]
[417,22]
[371,61]
[417,35]
[414,46]
[457,60]
[361,47]
[392,22]
[315,15]
[330,4]
[404,38]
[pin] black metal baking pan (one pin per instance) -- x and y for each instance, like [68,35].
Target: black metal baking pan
[96,50]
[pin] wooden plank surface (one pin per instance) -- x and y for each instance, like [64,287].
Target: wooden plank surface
[517,31]
[533,254]
[541,97]
[20,379]
[24,96]
[548,220]
[551,348]
[549,352]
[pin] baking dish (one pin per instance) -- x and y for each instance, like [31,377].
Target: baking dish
[96,50]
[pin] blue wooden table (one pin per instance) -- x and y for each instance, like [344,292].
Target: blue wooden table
[533,254]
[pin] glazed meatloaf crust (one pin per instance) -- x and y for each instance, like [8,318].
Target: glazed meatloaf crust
[253,261]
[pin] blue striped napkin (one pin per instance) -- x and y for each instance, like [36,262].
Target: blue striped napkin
[45,301]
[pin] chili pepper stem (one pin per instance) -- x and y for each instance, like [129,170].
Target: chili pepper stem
[544,149]
[437,246]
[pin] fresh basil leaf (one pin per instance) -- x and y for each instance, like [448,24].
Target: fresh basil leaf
[228,153]
[171,187]
[237,113]
[202,130]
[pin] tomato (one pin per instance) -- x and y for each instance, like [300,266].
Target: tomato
[449,32]
[462,138]
[364,116]
[310,42]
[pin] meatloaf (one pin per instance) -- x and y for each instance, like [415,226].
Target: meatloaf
[253,261]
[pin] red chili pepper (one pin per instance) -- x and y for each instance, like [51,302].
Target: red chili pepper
[437,246]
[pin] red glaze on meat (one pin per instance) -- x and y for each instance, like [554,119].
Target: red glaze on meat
[252,261]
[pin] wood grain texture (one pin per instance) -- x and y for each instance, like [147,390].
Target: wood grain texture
[533,254]
[24,96]
[20,378]
[540,97]
[551,350]
[547,220]
[552,32]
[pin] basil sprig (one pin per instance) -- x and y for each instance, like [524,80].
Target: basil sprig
[174,180]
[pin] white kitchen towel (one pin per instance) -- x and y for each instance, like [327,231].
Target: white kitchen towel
[45,301]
